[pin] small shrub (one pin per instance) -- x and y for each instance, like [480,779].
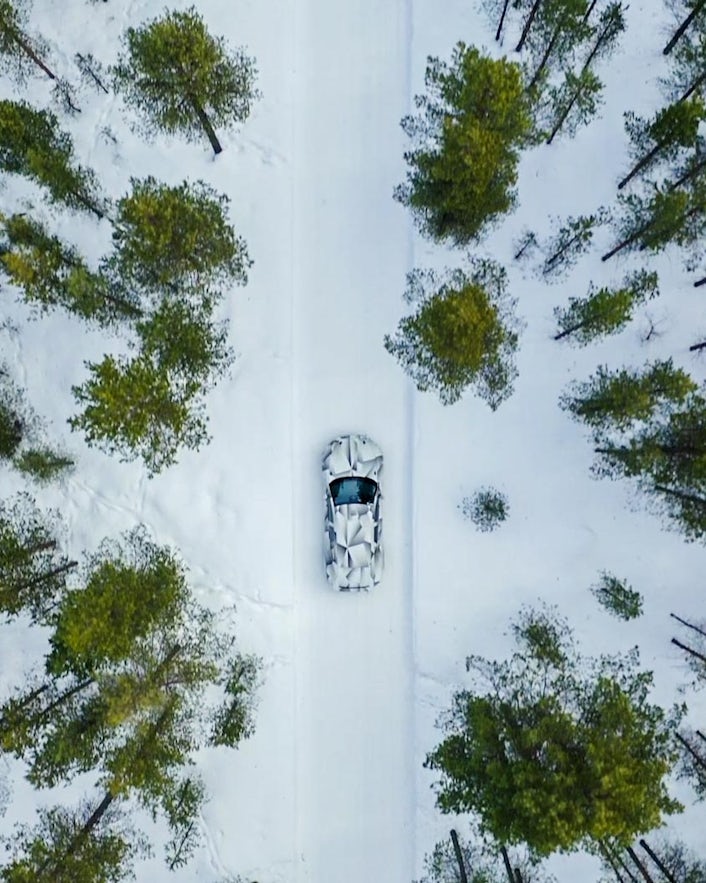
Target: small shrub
[487,508]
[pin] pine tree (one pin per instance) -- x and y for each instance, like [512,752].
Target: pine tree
[617,400]
[51,274]
[33,570]
[576,100]
[695,9]
[561,26]
[570,241]
[57,851]
[463,333]
[182,79]
[472,122]
[31,144]
[666,456]
[128,589]
[19,52]
[604,310]
[534,731]
[617,597]
[667,215]
[128,691]
[151,406]
[132,409]
[687,75]
[660,138]
[168,237]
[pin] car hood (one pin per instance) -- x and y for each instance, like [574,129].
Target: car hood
[355,455]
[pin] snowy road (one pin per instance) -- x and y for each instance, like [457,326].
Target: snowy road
[354,699]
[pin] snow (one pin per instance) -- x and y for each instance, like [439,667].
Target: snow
[331,788]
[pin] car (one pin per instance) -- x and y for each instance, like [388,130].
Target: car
[353,555]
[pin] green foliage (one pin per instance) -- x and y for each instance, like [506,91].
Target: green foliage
[604,311]
[650,427]
[52,274]
[466,140]
[127,589]
[661,137]
[152,405]
[232,721]
[617,597]
[464,333]
[182,79]
[33,571]
[538,729]
[57,851]
[665,215]
[616,400]
[131,409]
[487,509]
[33,145]
[128,689]
[176,236]
[43,464]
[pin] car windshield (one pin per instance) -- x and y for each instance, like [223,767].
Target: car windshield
[353,490]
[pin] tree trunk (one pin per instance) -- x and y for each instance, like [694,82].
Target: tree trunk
[689,625]
[641,868]
[656,859]
[700,762]
[506,862]
[700,283]
[55,571]
[569,331]
[502,19]
[94,76]
[545,58]
[528,24]
[86,203]
[690,214]
[697,346]
[694,86]
[457,850]
[95,817]
[590,9]
[642,163]
[628,241]
[609,859]
[206,125]
[686,176]
[557,254]
[689,650]
[682,27]
[30,53]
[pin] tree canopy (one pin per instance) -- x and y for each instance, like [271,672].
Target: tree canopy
[554,750]
[466,138]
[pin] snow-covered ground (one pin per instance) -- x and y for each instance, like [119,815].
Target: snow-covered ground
[331,788]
